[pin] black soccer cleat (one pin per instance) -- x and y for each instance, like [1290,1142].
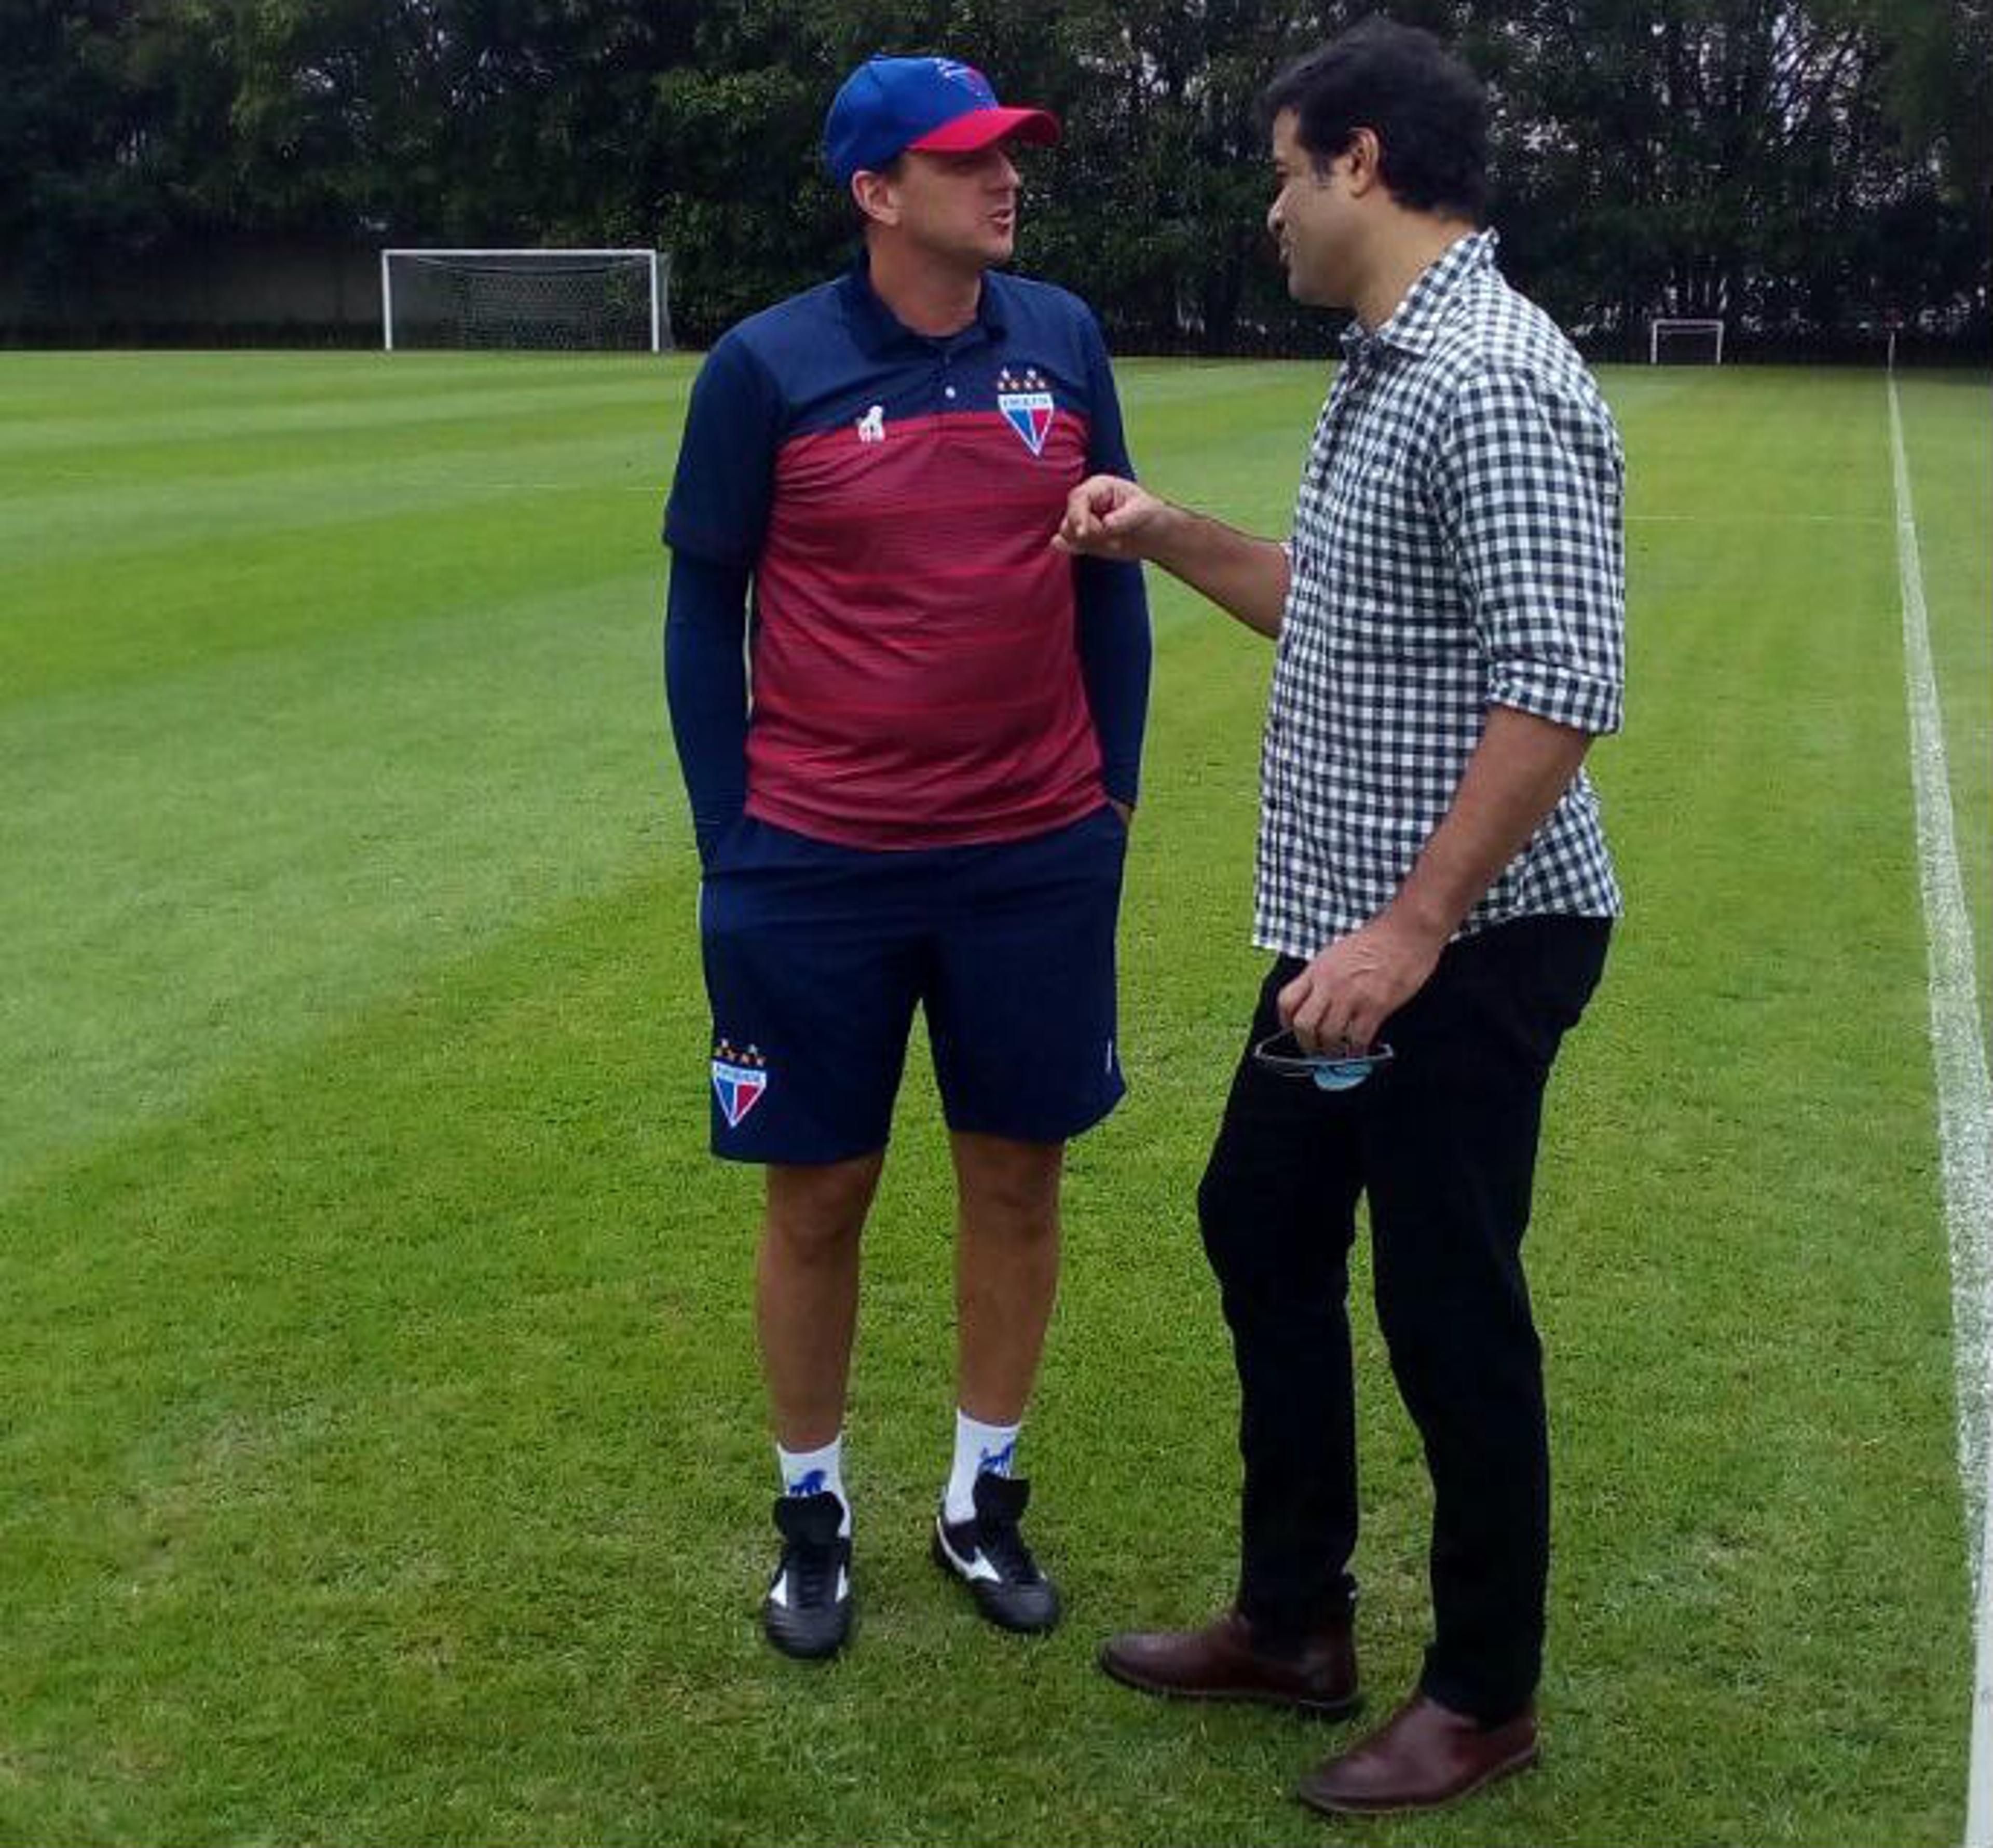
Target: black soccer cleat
[988,1554]
[807,1611]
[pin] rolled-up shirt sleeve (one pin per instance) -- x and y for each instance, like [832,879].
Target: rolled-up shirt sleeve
[1529,488]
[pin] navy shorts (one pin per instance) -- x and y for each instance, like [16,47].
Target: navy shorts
[817,955]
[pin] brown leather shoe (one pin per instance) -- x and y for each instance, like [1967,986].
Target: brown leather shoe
[1423,1755]
[1221,1662]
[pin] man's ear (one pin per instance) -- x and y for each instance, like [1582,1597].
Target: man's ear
[876,196]
[1366,155]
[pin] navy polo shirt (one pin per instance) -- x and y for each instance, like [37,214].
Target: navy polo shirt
[922,669]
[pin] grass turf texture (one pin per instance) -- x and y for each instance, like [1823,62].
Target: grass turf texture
[383,1450]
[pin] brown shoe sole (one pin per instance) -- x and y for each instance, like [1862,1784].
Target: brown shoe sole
[1315,1710]
[1334,1806]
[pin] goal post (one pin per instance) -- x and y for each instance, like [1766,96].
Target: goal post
[1684,341]
[567,300]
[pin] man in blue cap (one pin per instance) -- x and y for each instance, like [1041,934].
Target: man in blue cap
[925,802]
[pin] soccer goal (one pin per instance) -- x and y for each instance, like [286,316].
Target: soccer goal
[572,300]
[1685,342]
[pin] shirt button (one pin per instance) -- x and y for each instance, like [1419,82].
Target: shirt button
[948,391]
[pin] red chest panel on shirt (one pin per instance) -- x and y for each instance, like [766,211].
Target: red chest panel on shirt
[913,657]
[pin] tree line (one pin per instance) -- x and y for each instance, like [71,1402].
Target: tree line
[1813,171]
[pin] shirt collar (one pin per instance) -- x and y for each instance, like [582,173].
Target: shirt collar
[1415,322]
[879,329]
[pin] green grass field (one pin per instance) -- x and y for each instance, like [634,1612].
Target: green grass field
[381,1451]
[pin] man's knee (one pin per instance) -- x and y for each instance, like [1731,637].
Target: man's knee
[816,1213]
[1007,1186]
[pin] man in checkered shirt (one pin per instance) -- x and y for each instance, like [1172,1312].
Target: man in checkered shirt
[1449,615]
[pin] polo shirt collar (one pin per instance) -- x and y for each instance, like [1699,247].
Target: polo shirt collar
[879,329]
[1415,322]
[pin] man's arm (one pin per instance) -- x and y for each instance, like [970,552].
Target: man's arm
[1114,652]
[705,684]
[1526,492]
[714,521]
[1518,772]
[1106,517]
[1111,607]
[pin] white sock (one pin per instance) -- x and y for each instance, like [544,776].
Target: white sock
[816,1471]
[980,1450]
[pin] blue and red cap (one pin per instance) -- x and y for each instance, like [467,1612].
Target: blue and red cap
[936,105]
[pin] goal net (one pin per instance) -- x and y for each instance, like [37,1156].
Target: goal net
[1685,342]
[573,300]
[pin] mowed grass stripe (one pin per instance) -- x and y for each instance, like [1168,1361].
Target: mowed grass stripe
[345,744]
[311,543]
[164,400]
[373,417]
[389,1460]
[133,616]
[231,857]
[1764,1312]
[65,526]
[1949,451]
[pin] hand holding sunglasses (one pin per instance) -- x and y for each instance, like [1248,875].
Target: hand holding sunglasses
[1340,1070]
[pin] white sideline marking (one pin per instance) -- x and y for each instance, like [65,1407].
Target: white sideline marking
[1965,1120]
[1763,519]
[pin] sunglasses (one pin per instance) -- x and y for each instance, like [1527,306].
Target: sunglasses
[1341,1071]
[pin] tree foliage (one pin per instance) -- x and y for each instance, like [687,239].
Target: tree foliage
[1804,169]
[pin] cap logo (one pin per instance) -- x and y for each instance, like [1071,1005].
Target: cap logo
[968,76]
[1027,406]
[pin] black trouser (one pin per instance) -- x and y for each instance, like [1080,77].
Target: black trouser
[1443,1141]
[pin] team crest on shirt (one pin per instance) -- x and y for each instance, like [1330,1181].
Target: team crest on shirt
[1026,402]
[739,1079]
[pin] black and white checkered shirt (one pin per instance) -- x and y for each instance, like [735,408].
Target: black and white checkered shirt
[1457,544]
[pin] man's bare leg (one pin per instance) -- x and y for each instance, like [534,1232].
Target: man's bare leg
[806,1313]
[1006,1269]
[1006,1276]
[806,1292]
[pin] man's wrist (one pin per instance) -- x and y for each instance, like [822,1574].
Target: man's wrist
[1413,915]
[1171,541]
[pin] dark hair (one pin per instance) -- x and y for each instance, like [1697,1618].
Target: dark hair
[1427,110]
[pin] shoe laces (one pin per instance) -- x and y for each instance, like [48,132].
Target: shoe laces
[998,1509]
[812,1574]
[811,1552]
[1003,1546]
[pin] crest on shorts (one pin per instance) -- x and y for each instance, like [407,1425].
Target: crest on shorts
[739,1079]
[1026,402]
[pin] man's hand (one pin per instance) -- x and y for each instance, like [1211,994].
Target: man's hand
[1106,517]
[1346,994]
